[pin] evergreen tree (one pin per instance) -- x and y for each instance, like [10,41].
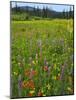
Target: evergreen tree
[16,6]
[34,11]
[38,12]
[70,13]
[64,13]
[44,12]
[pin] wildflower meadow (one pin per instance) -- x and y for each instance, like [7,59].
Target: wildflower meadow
[42,57]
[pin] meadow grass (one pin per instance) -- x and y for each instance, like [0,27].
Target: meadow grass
[42,57]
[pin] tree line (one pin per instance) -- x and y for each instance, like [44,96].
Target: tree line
[45,12]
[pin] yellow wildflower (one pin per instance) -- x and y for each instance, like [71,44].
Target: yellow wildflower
[58,74]
[15,73]
[69,89]
[48,86]
[33,62]
[44,94]
[32,92]
[36,61]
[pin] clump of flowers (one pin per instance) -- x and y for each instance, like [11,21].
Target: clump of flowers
[30,73]
[28,84]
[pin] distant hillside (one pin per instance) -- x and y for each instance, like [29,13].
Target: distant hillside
[38,13]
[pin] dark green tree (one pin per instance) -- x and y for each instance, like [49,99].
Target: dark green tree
[64,14]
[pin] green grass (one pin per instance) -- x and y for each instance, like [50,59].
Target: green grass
[39,44]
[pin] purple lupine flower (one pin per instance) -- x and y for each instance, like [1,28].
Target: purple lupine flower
[49,71]
[45,61]
[40,47]
[62,71]
[62,77]
[19,85]
[11,90]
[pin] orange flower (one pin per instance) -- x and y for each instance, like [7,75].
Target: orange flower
[25,84]
[28,84]
[45,68]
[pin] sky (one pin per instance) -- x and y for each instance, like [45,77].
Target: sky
[55,7]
